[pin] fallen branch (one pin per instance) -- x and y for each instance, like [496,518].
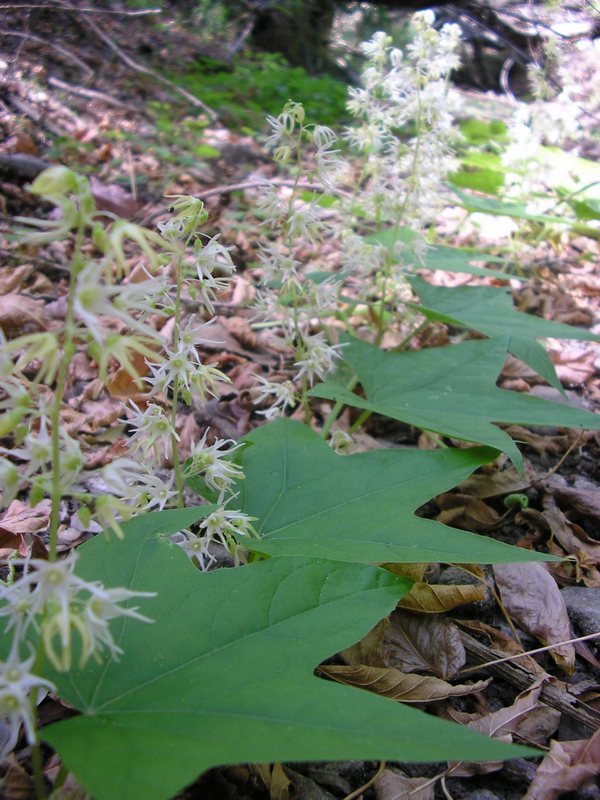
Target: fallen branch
[52,6]
[92,94]
[134,65]
[62,50]
[517,676]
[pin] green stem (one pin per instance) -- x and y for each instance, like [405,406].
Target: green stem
[38,771]
[362,418]
[175,406]
[77,264]
[335,411]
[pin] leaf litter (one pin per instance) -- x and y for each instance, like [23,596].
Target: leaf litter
[411,643]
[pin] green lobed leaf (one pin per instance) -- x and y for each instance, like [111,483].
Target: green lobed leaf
[224,674]
[310,501]
[490,310]
[442,257]
[449,390]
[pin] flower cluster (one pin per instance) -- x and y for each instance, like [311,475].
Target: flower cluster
[51,603]
[404,173]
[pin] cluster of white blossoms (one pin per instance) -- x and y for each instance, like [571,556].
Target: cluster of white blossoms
[287,296]
[557,114]
[51,604]
[404,174]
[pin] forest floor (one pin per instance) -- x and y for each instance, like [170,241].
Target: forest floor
[73,99]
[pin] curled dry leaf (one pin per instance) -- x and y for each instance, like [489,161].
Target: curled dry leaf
[368,650]
[436,598]
[11,278]
[398,685]
[19,314]
[413,643]
[18,528]
[565,768]
[465,511]
[21,518]
[532,598]
[503,645]
[583,498]
[491,483]
[511,721]
[394,786]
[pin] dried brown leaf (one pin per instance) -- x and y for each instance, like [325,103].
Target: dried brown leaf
[492,484]
[400,686]
[21,518]
[368,650]
[18,314]
[11,278]
[503,724]
[565,768]
[393,786]
[465,511]
[436,598]
[532,598]
[414,643]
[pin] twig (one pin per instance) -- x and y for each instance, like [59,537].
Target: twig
[358,792]
[123,13]
[134,65]
[93,94]
[517,676]
[529,653]
[62,50]
[562,459]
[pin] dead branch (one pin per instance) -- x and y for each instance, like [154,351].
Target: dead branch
[517,676]
[137,67]
[92,94]
[59,49]
[51,6]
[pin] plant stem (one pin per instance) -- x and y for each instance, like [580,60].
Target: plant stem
[77,264]
[38,772]
[176,347]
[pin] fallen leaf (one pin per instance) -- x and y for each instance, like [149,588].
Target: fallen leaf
[565,768]
[413,643]
[574,364]
[437,598]
[583,498]
[400,686]
[18,314]
[571,536]
[21,518]
[532,598]
[11,278]
[113,198]
[391,785]
[465,511]
[491,483]
[503,724]
[503,645]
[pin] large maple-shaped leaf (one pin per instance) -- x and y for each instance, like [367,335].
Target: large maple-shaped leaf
[442,257]
[490,310]
[449,390]
[224,674]
[309,501]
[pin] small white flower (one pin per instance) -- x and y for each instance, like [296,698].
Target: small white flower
[151,429]
[212,462]
[281,396]
[196,548]
[319,357]
[225,525]
[100,608]
[16,683]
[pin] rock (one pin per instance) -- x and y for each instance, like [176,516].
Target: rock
[583,605]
